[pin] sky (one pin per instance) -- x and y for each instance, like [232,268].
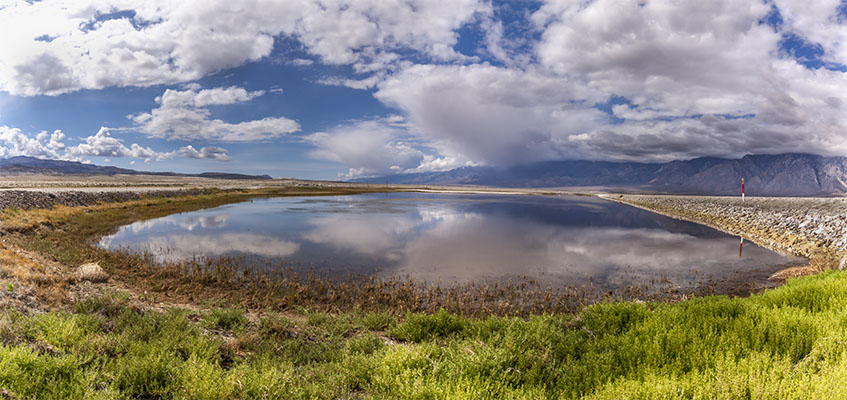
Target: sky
[335,89]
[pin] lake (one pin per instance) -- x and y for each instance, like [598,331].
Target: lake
[448,238]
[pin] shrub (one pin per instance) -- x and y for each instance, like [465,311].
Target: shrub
[227,319]
[420,327]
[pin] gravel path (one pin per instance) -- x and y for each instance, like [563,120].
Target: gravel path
[799,226]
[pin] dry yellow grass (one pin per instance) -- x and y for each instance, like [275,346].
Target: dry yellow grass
[27,274]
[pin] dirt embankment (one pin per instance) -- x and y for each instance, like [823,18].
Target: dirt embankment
[31,282]
[804,227]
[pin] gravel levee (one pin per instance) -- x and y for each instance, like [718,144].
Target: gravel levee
[799,226]
[27,199]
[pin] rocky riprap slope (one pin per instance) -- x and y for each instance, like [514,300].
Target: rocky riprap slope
[27,199]
[800,226]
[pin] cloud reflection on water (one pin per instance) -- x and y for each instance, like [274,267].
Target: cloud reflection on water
[187,222]
[176,247]
[547,239]
[469,246]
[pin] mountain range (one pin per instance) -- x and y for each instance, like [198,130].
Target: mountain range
[31,165]
[767,175]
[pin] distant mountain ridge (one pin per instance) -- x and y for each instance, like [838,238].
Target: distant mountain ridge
[770,175]
[30,165]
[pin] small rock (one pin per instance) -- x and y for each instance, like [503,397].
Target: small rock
[92,272]
[6,395]
[42,347]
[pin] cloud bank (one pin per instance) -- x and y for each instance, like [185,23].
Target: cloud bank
[640,81]
[649,80]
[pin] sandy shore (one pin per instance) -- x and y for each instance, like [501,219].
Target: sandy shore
[800,226]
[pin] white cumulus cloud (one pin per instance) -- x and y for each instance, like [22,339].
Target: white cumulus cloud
[64,46]
[182,115]
[818,22]
[102,144]
[490,114]
[369,147]
[214,153]
[14,142]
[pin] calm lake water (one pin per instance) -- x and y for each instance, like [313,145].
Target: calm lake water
[564,240]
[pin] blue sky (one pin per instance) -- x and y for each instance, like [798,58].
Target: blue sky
[332,89]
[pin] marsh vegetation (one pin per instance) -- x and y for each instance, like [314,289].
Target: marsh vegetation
[206,330]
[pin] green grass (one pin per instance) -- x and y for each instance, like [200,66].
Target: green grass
[786,343]
[226,319]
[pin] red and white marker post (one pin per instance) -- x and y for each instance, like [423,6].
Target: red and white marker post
[742,189]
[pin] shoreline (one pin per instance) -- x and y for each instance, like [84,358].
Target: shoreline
[724,214]
[760,220]
[717,227]
[809,227]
